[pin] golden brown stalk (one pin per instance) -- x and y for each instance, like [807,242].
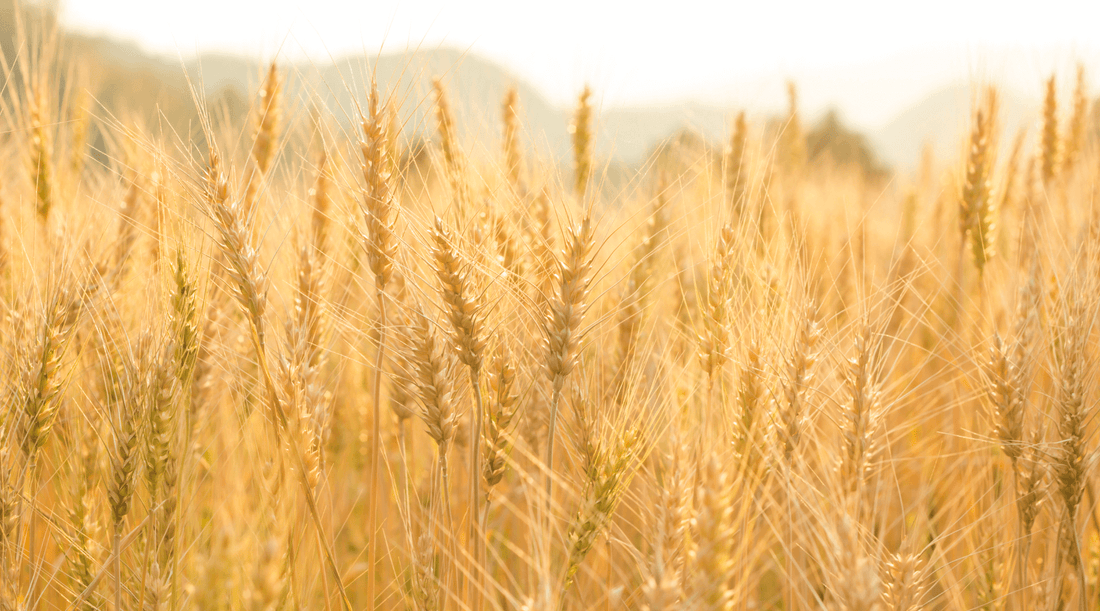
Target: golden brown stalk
[793,140]
[863,414]
[907,583]
[129,213]
[267,120]
[300,370]
[1009,196]
[509,251]
[467,338]
[454,164]
[1051,151]
[502,408]
[234,236]
[581,131]
[41,150]
[605,483]
[40,378]
[320,199]
[82,517]
[446,125]
[1076,131]
[184,317]
[800,366]
[132,404]
[542,241]
[266,126]
[736,168]
[431,373]
[161,450]
[513,154]
[637,295]
[663,586]
[1008,413]
[712,563]
[160,426]
[562,327]
[462,309]
[976,206]
[714,342]
[378,208]
[426,579]
[235,241]
[752,399]
[79,137]
[379,205]
[1070,461]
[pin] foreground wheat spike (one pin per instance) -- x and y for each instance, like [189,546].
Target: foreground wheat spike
[793,138]
[754,402]
[711,563]
[562,327]
[502,408]
[640,285]
[268,120]
[136,383]
[378,207]
[907,584]
[432,370]
[41,151]
[82,515]
[736,168]
[800,373]
[184,316]
[454,164]
[378,204]
[465,313]
[1006,399]
[663,587]
[78,138]
[862,415]
[160,419]
[715,339]
[1050,156]
[1071,460]
[581,131]
[40,374]
[513,155]
[235,241]
[321,202]
[234,233]
[1078,123]
[606,481]
[976,207]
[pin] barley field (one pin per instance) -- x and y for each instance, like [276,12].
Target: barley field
[292,364]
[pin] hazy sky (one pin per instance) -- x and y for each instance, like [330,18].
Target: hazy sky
[871,58]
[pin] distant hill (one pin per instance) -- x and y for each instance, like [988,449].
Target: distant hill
[475,88]
[129,83]
[942,120]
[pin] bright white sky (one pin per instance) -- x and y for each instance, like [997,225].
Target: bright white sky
[870,57]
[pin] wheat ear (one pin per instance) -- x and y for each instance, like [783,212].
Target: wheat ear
[466,317]
[562,326]
[378,208]
[234,233]
[581,131]
[513,155]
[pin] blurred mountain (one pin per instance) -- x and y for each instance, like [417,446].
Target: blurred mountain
[942,121]
[127,82]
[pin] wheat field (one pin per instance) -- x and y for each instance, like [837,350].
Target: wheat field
[294,364]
